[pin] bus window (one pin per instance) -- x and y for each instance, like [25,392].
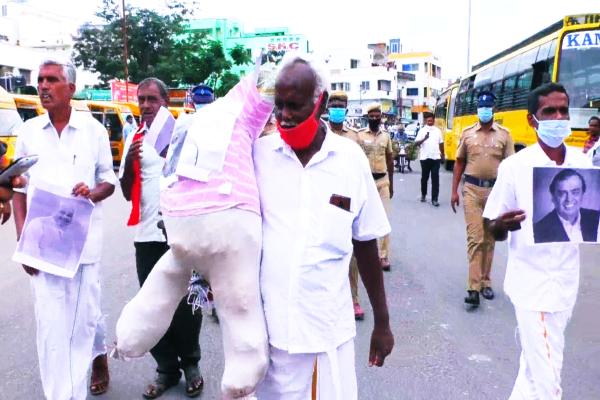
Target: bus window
[113,125]
[27,113]
[484,77]
[451,108]
[579,72]
[498,72]
[551,56]
[527,60]
[543,52]
[522,89]
[508,89]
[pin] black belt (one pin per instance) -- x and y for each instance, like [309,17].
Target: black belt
[378,175]
[487,183]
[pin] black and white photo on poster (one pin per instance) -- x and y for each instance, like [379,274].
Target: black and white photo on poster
[566,204]
[54,233]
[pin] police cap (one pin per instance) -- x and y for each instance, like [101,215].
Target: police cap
[485,99]
[338,95]
[373,107]
[202,94]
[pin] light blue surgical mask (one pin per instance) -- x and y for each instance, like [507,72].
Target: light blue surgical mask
[485,114]
[553,132]
[337,115]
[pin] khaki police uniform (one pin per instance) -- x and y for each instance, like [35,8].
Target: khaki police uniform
[482,152]
[376,146]
[351,134]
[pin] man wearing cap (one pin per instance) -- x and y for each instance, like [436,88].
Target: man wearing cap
[481,148]
[337,108]
[377,144]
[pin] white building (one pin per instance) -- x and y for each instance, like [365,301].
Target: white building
[428,83]
[29,36]
[365,83]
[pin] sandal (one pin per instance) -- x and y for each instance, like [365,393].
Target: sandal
[161,384]
[100,378]
[194,382]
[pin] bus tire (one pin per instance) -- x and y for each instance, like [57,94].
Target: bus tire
[449,165]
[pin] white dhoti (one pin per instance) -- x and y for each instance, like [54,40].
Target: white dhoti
[67,311]
[542,336]
[225,248]
[289,376]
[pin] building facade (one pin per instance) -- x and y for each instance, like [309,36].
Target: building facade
[427,85]
[230,33]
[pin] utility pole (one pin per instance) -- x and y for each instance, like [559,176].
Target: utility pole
[125,56]
[469,40]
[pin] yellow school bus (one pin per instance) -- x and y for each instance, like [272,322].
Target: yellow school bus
[567,52]
[9,122]
[112,116]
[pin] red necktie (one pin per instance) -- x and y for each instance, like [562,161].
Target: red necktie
[136,186]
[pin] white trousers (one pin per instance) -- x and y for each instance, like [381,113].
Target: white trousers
[225,248]
[67,311]
[289,376]
[542,336]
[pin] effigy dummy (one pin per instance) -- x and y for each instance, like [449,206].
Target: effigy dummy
[211,212]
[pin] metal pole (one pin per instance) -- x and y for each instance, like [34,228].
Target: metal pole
[469,40]
[125,56]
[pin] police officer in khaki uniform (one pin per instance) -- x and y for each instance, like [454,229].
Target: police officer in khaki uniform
[377,144]
[337,108]
[481,149]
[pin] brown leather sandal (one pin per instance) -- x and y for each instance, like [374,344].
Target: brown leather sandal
[100,377]
[161,384]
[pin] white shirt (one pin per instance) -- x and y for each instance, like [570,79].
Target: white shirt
[573,230]
[151,165]
[430,148]
[81,154]
[307,242]
[538,277]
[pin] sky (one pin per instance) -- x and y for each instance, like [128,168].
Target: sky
[439,26]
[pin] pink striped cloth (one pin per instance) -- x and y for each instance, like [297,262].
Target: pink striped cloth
[189,197]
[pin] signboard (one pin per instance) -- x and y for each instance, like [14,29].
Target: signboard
[582,19]
[581,40]
[119,91]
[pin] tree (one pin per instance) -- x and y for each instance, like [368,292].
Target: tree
[158,46]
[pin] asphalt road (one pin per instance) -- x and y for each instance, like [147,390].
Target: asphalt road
[442,351]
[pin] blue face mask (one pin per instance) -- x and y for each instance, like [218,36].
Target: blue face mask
[337,115]
[485,114]
[553,132]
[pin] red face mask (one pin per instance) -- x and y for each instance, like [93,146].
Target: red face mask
[302,135]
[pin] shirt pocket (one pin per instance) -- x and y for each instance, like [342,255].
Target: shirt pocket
[332,237]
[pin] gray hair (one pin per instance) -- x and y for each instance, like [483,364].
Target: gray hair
[68,69]
[321,75]
[162,88]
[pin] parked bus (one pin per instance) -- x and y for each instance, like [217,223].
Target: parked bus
[112,116]
[567,52]
[9,122]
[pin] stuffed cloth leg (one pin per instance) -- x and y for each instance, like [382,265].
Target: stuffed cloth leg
[225,248]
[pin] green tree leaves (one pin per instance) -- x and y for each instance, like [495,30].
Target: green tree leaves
[158,45]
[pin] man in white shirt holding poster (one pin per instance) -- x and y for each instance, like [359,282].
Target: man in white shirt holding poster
[541,281]
[431,154]
[74,153]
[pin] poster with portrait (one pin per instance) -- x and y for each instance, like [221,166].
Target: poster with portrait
[566,204]
[55,232]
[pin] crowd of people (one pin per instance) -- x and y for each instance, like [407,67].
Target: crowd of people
[282,229]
